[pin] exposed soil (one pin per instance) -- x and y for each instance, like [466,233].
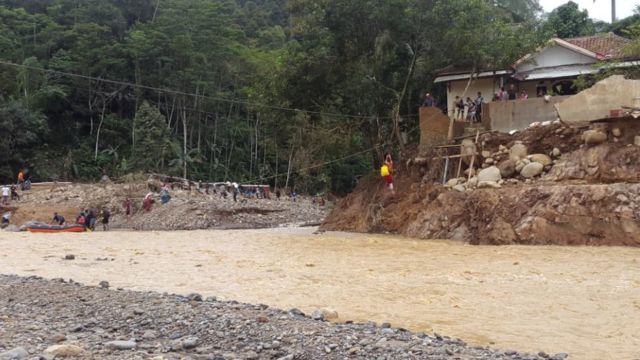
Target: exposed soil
[589,196]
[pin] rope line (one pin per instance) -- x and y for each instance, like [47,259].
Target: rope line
[178,92]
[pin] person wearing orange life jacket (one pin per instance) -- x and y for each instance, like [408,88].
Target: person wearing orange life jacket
[386,171]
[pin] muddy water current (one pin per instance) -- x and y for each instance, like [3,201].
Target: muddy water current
[580,300]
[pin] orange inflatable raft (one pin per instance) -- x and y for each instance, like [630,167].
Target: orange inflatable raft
[46,228]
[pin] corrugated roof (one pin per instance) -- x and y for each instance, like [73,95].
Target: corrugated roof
[607,46]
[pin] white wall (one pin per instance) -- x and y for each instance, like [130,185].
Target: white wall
[555,55]
[487,86]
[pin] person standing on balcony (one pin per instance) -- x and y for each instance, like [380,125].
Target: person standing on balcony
[479,104]
[513,94]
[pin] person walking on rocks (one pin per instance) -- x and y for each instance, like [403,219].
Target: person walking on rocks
[105,219]
[127,206]
[5,194]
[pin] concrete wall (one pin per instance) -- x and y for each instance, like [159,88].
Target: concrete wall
[555,56]
[596,102]
[434,128]
[505,116]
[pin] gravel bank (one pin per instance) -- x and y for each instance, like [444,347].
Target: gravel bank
[41,318]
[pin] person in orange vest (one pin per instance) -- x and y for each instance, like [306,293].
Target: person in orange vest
[20,177]
[386,171]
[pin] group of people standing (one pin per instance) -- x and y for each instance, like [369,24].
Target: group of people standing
[10,192]
[86,218]
[510,94]
[469,110]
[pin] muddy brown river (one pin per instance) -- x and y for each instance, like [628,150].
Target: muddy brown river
[580,300]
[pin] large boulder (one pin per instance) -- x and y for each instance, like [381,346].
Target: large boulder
[532,170]
[594,137]
[518,151]
[543,159]
[491,174]
[507,168]
[469,150]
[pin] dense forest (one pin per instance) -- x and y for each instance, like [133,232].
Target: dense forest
[303,93]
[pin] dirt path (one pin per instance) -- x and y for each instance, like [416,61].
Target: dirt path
[580,300]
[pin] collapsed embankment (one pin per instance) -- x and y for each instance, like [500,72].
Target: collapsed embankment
[586,191]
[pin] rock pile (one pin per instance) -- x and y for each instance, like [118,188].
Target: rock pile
[506,165]
[75,321]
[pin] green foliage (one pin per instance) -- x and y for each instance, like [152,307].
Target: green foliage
[152,146]
[232,66]
[22,131]
[568,21]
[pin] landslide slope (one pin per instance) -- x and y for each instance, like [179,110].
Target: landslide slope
[589,196]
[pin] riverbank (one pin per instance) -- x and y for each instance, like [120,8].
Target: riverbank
[92,322]
[578,300]
[187,209]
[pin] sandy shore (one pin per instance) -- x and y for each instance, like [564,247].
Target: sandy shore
[580,300]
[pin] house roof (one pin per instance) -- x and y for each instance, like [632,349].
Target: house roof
[600,47]
[606,46]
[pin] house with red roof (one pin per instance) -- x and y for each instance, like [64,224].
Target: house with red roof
[550,70]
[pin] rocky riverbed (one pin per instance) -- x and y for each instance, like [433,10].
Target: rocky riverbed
[77,321]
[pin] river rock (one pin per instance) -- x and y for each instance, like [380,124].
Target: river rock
[543,159]
[486,154]
[636,140]
[121,345]
[473,182]
[488,185]
[518,151]
[452,182]
[468,150]
[532,170]
[616,132]
[491,173]
[18,353]
[324,314]
[64,350]
[594,137]
[190,342]
[459,188]
[556,152]
[507,168]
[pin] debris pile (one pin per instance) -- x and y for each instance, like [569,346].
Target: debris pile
[188,209]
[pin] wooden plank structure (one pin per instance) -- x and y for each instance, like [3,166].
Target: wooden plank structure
[444,154]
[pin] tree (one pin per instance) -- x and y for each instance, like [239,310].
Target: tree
[567,21]
[22,131]
[153,145]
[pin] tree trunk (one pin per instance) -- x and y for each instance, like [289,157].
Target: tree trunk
[286,184]
[403,93]
[104,108]
[184,143]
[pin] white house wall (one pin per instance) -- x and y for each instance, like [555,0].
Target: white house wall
[555,56]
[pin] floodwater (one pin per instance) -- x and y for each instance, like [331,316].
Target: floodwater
[580,300]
